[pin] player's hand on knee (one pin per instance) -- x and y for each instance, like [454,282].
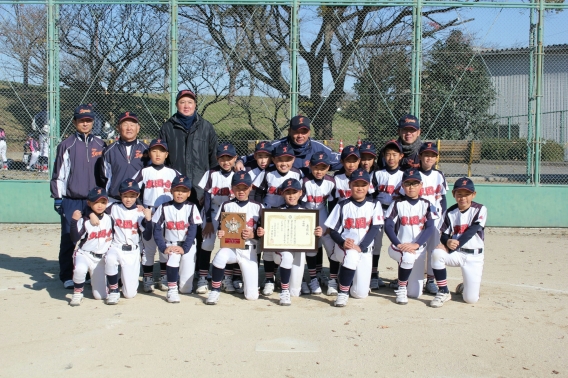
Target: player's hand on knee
[260,232]
[349,243]
[318,231]
[247,233]
[453,244]
[77,215]
[168,251]
[220,234]
[179,250]
[95,221]
[208,230]
[442,247]
[357,248]
[408,247]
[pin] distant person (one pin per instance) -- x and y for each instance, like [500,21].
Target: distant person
[3,149]
[40,124]
[31,147]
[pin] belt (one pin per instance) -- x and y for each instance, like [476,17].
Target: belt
[472,251]
[97,255]
[128,247]
[178,243]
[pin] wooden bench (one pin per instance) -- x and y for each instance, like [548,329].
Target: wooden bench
[459,151]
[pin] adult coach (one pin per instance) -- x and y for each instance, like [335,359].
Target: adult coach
[124,158]
[409,138]
[192,142]
[73,177]
[299,138]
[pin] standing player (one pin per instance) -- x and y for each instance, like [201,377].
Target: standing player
[245,258]
[319,191]
[262,159]
[409,225]
[354,223]
[155,184]
[216,185]
[129,222]
[94,242]
[31,147]
[3,149]
[368,154]
[175,227]
[462,244]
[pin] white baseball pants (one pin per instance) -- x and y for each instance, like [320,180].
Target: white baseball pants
[416,262]
[84,262]
[129,262]
[288,260]
[186,265]
[362,264]
[246,258]
[471,266]
[149,252]
[3,149]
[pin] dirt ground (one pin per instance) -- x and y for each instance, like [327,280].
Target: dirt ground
[519,328]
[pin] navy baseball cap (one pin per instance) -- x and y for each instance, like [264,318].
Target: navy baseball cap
[84,111]
[186,92]
[96,194]
[298,122]
[128,185]
[464,183]
[181,181]
[158,142]
[408,120]
[282,149]
[226,149]
[241,177]
[360,175]
[264,146]
[411,174]
[394,143]
[290,184]
[350,150]
[368,148]
[429,146]
[127,116]
[320,158]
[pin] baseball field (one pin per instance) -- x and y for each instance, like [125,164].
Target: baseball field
[519,328]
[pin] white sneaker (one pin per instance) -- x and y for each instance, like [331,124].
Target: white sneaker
[202,287]
[213,297]
[76,299]
[285,298]
[394,284]
[173,295]
[439,299]
[113,298]
[148,284]
[331,287]
[228,284]
[238,285]
[305,288]
[68,284]
[163,284]
[268,288]
[431,287]
[374,284]
[401,297]
[459,288]
[341,300]
[315,286]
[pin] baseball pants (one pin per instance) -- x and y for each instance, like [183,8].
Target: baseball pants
[186,265]
[415,261]
[246,258]
[66,246]
[33,159]
[3,149]
[362,264]
[129,262]
[431,244]
[149,252]
[293,261]
[84,263]
[209,242]
[471,266]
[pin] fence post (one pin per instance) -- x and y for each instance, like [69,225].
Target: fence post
[416,57]
[173,54]
[294,59]
[538,102]
[53,78]
[532,38]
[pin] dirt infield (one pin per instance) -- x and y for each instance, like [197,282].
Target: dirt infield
[518,328]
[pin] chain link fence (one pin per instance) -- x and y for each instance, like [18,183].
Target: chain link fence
[469,71]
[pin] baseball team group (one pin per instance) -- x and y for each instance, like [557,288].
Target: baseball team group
[122,203]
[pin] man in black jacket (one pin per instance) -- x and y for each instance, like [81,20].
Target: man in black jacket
[192,142]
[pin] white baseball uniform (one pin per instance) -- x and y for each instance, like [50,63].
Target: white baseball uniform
[89,255]
[317,194]
[171,223]
[469,256]
[270,180]
[385,181]
[245,257]
[352,220]
[124,249]
[253,170]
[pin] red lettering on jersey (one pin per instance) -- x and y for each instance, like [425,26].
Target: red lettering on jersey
[315,199]
[429,191]
[150,184]
[359,223]
[168,184]
[170,225]
[119,223]
[92,235]
[180,225]
[272,190]
[127,224]
[344,193]
[250,223]
[349,223]
[386,188]
[411,221]
[460,229]
[159,183]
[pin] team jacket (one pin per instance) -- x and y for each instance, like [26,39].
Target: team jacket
[268,183]
[250,208]
[75,164]
[117,165]
[176,222]
[94,239]
[155,184]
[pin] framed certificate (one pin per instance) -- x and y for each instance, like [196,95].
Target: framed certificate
[233,224]
[289,230]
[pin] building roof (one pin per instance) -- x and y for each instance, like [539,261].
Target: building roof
[561,48]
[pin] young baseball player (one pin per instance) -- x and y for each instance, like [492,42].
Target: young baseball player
[462,237]
[155,184]
[3,149]
[94,242]
[368,154]
[354,223]
[409,225]
[129,222]
[245,258]
[31,147]
[386,182]
[216,184]
[174,227]
[319,190]
[291,264]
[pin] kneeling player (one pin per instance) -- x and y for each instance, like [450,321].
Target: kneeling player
[94,243]
[354,223]
[462,245]
[241,185]
[175,227]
